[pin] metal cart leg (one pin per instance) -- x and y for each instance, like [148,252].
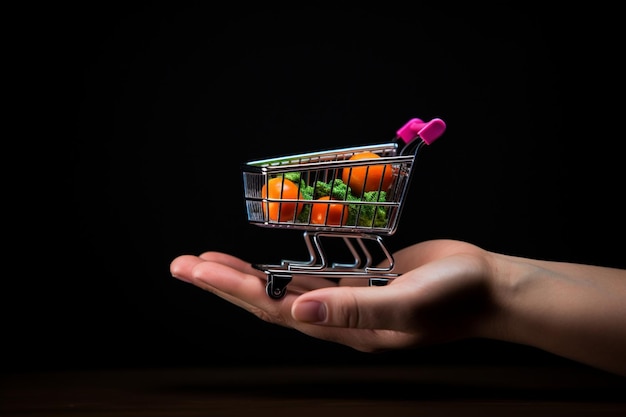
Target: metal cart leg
[279,276]
[313,253]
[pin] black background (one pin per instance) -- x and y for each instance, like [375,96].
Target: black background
[136,118]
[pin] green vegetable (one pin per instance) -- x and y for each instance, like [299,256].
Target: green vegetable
[336,189]
[369,215]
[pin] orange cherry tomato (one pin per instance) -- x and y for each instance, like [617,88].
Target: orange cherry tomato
[279,188]
[369,177]
[330,214]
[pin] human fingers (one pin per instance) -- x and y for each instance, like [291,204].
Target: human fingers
[356,307]
[431,304]
[241,284]
[182,267]
[188,268]
[233,262]
[246,290]
[299,283]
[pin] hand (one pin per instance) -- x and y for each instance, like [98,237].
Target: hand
[443,295]
[447,290]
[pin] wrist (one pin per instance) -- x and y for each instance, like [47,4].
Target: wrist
[507,280]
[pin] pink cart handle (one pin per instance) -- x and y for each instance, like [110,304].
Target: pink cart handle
[428,131]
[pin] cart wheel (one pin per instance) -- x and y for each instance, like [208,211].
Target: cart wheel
[276,286]
[378,282]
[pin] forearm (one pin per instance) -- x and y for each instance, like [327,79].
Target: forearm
[575,311]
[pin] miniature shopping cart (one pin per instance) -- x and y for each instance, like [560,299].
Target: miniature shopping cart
[354,194]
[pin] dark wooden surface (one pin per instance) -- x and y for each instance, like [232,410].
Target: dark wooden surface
[308,391]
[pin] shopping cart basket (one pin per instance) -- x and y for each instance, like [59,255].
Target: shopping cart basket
[355,194]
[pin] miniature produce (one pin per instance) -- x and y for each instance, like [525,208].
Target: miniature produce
[281,188]
[367,177]
[360,211]
[330,214]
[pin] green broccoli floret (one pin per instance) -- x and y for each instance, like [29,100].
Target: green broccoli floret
[293,176]
[306,190]
[369,215]
[375,196]
[336,189]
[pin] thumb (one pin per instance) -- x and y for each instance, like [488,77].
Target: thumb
[352,307]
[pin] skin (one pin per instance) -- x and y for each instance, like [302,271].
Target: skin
[449,290]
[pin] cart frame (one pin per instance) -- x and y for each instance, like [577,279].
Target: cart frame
[373,213]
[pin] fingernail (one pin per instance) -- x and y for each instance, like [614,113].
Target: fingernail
[310,312]
[181,278]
